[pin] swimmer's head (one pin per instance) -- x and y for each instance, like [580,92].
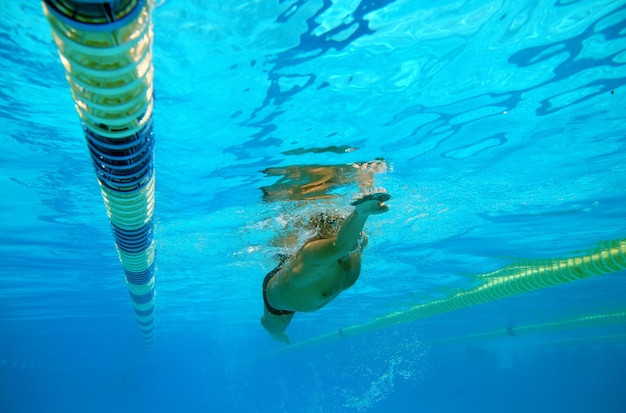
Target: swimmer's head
[321,225]
[325,224]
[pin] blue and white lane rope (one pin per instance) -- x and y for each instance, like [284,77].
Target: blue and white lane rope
[106,51]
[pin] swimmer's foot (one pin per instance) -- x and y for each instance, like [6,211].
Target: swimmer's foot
[376,196]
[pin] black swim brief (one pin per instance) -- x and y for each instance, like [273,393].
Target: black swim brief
[267,279]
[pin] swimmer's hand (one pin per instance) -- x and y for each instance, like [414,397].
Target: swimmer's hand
[372,204]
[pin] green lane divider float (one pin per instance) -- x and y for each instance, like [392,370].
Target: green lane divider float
[106,50]
[520,278]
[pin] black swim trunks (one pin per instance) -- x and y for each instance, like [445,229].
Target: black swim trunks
[267,279]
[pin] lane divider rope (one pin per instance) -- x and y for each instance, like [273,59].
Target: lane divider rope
[520,278]
[105,48]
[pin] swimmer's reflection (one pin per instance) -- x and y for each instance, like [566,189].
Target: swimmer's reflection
[309,182]
[327,264]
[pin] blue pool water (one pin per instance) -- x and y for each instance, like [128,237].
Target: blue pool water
[501,125]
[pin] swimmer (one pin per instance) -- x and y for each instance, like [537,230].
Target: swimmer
[326,265]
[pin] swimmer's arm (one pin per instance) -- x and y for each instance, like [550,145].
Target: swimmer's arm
[347,238]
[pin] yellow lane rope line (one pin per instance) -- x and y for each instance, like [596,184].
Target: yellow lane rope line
[523,277]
